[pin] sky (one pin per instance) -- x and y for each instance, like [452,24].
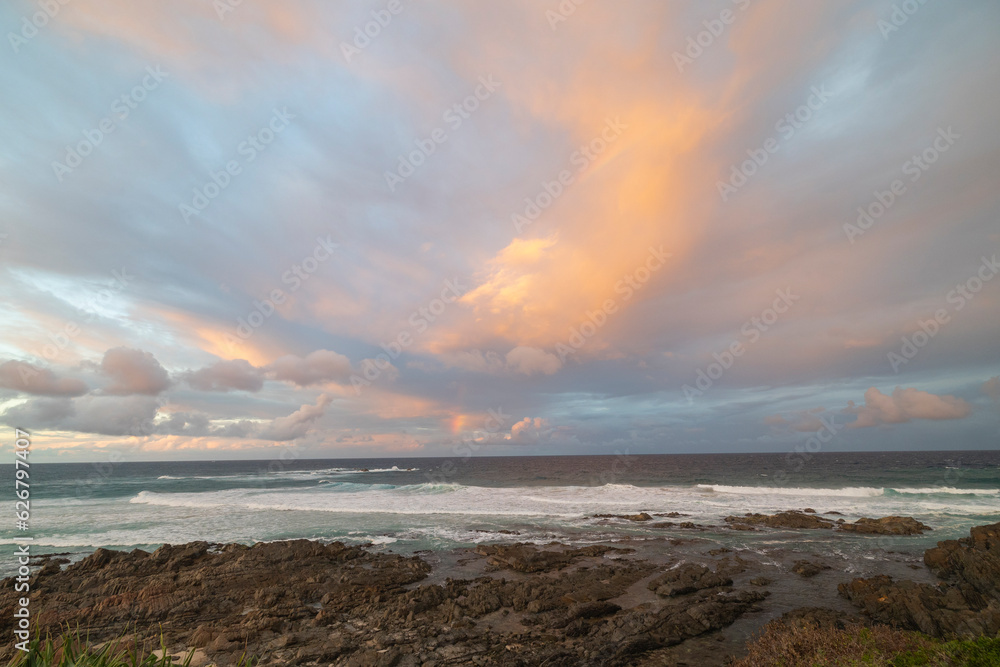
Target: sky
[235,230]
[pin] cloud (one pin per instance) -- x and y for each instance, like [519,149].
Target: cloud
[30,379]
[296,424]
[992,388]
[133,371]
[530,430]
[522,359]
[905,405]
[531,360]
[315,368]
[105,415]
[803,421]
[238,374]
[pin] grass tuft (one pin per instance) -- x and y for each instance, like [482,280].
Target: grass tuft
[780,645]
[71,649]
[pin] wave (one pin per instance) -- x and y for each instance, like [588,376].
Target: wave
[949,490]
[346,471]
[847,492]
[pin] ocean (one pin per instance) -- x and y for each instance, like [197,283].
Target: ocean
[409,505]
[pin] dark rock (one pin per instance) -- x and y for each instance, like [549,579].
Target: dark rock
[687,578]
[807,568]
[966,604]
[522,557]
[888,525]
[789,519]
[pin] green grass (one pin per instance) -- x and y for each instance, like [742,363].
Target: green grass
[979,652]
[879,646]
[71,649]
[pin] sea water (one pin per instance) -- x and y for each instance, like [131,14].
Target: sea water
[414,504]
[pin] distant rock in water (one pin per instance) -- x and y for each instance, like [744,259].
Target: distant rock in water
[887,525]
[805,568]
[789,519]
[966,605]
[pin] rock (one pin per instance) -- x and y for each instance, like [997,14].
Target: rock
[760,581]
[687,578]
[965,604]
[888,525]
[805,568]
[789,519]
[809,510]
[522,557]
[593,610]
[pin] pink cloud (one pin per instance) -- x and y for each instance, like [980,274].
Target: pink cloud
[905,405]
[133,371]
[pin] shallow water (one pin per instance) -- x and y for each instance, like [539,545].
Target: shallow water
[406,505]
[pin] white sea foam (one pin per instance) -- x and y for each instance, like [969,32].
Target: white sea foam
[705,502]
[948,490]
[847,492]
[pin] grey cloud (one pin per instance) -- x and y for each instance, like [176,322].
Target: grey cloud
[30,379]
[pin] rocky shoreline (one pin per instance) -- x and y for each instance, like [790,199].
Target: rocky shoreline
[302,602]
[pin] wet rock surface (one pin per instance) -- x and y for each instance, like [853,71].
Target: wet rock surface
[889,525]
[808,568]
[965,603]
[808,519]
[790,519]
[673,601]
[302,602]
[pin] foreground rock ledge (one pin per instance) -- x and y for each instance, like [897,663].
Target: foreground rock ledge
[302,602]
[965,604]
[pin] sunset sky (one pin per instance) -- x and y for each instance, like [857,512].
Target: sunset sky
[232,230]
